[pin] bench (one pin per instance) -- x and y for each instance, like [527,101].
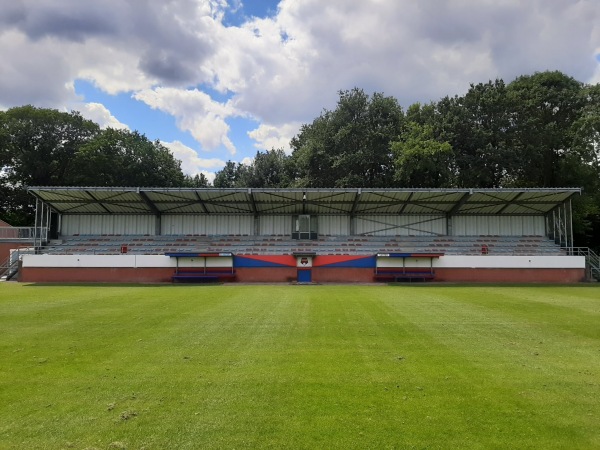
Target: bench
[404,275]
[196,276]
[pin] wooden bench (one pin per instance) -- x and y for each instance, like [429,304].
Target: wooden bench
[196,276]
[404,275]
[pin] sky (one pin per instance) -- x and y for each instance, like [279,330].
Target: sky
[219,80]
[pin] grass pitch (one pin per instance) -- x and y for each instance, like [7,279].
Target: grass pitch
[344,367]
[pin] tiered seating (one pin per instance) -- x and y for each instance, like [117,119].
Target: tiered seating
[283,245]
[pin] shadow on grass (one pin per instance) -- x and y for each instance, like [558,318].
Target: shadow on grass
[450,284]
[136,285]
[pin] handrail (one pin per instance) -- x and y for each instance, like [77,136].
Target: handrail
[10,266]
[592,260]
[5,266]
[23,233]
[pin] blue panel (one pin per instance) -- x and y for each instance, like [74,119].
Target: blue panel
[367,262]
[240,261]
[304,275]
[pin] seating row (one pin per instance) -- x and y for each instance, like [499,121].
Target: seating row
[333,245]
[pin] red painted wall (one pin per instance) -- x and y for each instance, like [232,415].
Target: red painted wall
[6,247]
[266,274]
[342,275]
[95,275]
[289,274]
[510,275]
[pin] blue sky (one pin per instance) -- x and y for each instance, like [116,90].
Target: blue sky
[156,124]
[218,80]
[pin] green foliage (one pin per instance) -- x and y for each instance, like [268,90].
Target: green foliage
[477,126]
[421,160]
[540,130]
[544,108]
[196,181]
[37,147]
[46,147]
[228,176]
[290,367]
[349,146]
[270,169]
[125,158]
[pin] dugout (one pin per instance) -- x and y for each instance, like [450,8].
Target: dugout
[319,235]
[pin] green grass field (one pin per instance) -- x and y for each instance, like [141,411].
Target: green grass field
[190,367]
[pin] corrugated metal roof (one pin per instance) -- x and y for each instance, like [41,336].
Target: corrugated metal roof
[355,201]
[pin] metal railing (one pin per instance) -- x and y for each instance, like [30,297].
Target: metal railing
[592,261]
[10,267]
[24,233]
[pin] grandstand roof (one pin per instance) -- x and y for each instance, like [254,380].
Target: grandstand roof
[352,201]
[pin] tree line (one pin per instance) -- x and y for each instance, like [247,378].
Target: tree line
[540,130]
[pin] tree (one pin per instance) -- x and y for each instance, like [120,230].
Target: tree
[311,155]
[226,177]
[269,169]
[126,158]
[46,147]
[544,108]
[584,168]
[37,147]
[349,146]
[477,125]
[421,160]
[197,181]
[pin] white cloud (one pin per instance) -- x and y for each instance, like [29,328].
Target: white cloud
[98,113]
[416,51]
[33,73]
[268,137]
[283,70]
[196,112]
[191,163]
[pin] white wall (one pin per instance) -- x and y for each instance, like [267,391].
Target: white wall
[108,224]
[275,225]
[508,262]
[207,224]
[334,225]
[391,263]
[401,225]
[131,261]
[489,262]
[498,225]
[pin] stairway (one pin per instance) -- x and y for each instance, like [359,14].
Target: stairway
[8,269]
[592,262]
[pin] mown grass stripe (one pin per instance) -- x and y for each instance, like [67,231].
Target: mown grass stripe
[298,367]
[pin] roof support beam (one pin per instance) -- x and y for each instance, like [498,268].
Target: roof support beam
[460,203]
[201,202]
[353,212]
[155,210]
[304,203]
[98,202]
[406,203]
[149,203]
[456,207]
[508,203]
[252,202]
[355,203]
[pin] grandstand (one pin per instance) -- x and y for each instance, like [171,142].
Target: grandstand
[14,242]
[304,235]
